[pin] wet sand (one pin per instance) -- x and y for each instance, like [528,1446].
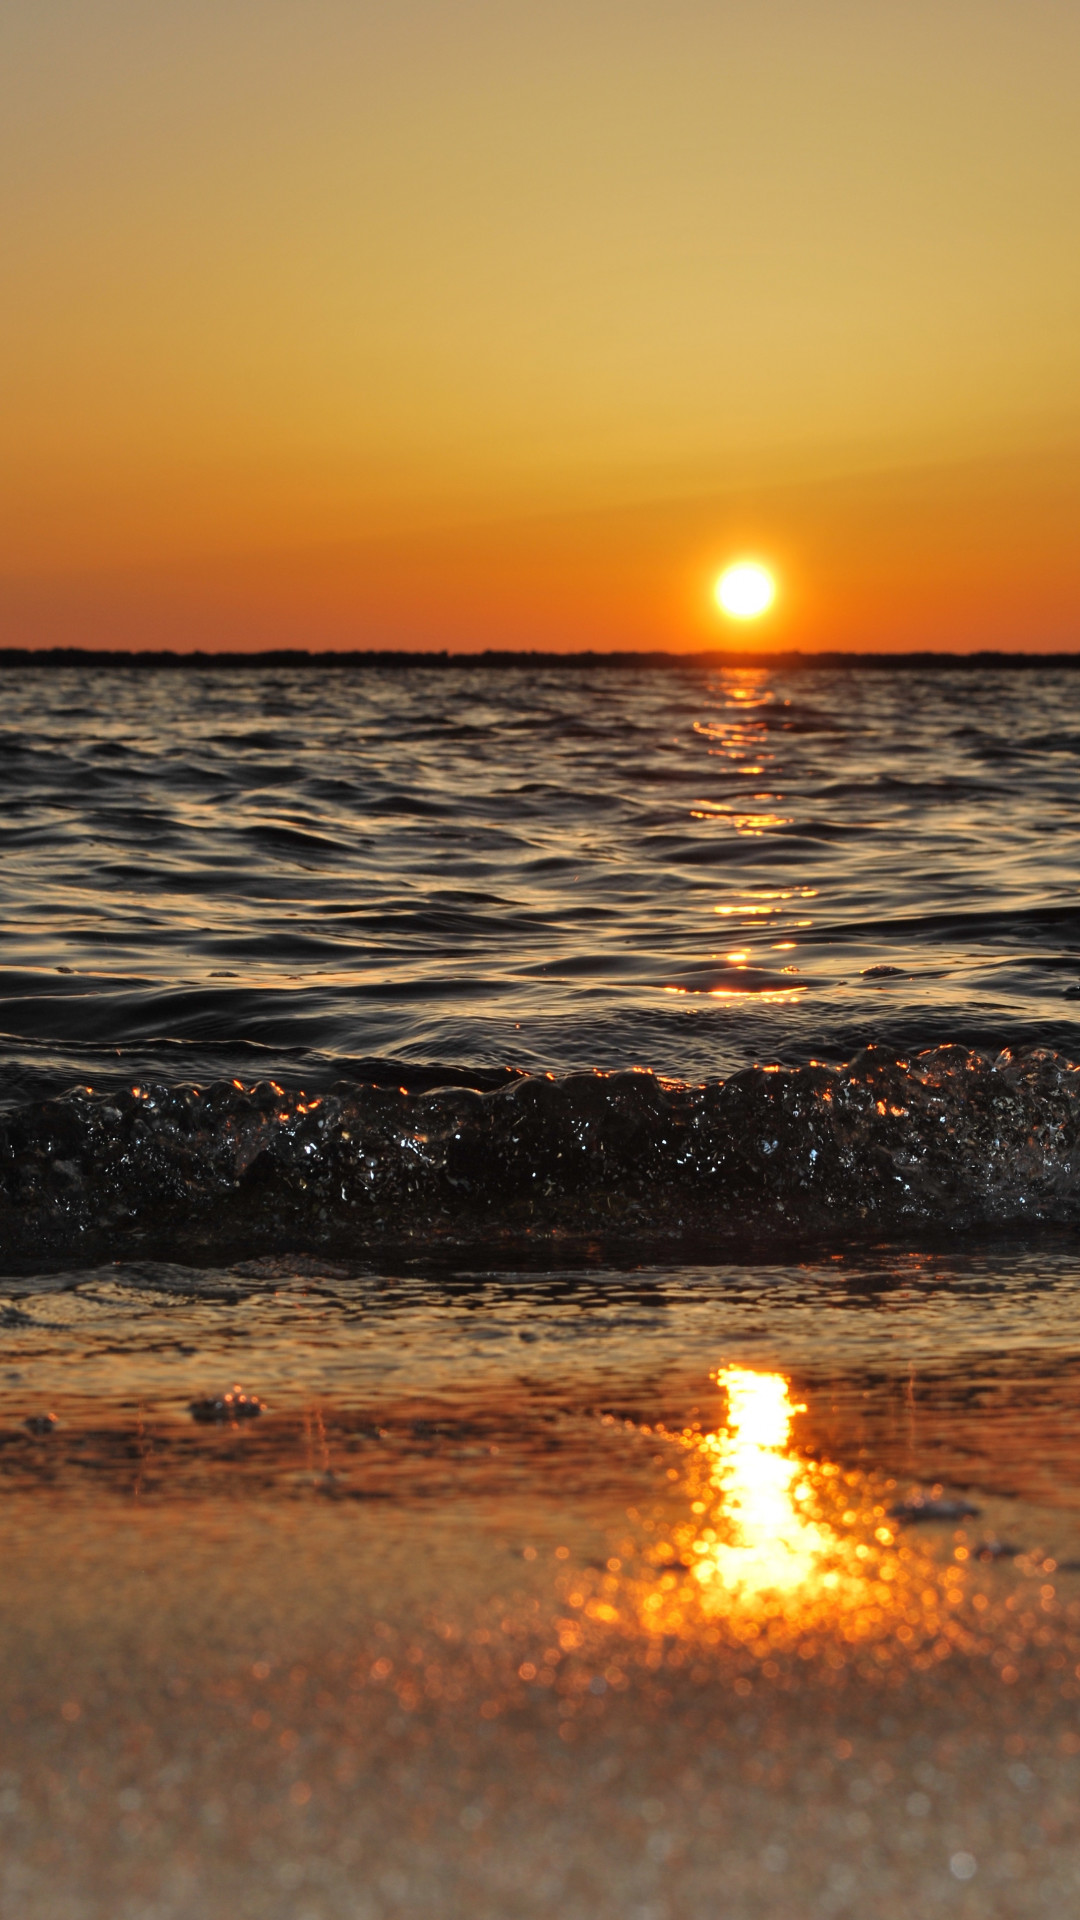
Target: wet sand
[329,1708]
[534,1603]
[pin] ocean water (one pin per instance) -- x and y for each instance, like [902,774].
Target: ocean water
[293,874]
[342,959]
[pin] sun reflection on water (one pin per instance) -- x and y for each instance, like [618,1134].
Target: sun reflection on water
[767,1541]
[779,1550]
[790,1562]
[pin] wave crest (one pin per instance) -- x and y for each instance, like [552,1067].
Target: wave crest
[951,1138]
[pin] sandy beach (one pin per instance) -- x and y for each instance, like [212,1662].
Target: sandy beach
[653,1671]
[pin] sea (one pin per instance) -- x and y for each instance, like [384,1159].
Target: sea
[511,1091]
[535,949]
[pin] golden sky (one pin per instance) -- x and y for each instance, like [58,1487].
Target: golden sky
[508,322]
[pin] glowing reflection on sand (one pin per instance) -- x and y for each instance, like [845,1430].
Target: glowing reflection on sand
[784,1560]
[778,1546]
[760,1537]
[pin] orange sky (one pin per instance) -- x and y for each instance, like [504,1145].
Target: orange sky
[506,323]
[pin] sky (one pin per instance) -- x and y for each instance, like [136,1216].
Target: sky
[510,322]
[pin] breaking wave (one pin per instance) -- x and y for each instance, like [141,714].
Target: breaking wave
[951,1138]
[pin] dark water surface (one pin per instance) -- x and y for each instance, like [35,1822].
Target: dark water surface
[291,909]
[286,873]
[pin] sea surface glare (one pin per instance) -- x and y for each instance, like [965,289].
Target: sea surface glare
[539,1310]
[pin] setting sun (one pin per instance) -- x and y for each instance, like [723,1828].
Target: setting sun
[745,591]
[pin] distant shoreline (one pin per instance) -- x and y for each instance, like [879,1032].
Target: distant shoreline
[492,659]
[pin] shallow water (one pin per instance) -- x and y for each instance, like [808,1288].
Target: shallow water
[958,1367]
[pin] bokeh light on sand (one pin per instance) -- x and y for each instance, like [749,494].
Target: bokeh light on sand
[788,1561]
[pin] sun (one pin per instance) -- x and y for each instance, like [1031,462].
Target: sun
[745,591]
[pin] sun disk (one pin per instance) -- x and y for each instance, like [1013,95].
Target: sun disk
[745,591]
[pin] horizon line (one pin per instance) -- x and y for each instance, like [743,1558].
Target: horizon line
[489,658]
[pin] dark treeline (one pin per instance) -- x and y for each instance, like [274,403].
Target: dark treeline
[164,660]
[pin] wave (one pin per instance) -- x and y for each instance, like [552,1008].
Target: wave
[951,1138]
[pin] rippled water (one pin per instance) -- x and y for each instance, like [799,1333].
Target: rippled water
[294,873]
